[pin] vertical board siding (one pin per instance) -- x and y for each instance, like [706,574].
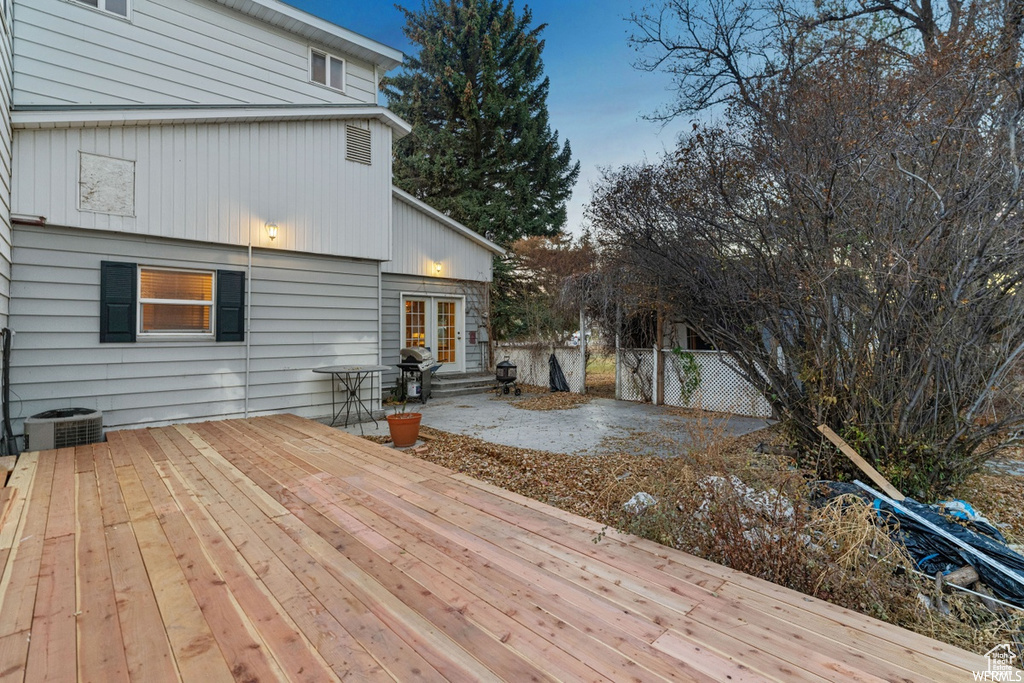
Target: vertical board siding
[171,52]
[394,285]
[222,183]
[421,240]
[307,311]
[5,161]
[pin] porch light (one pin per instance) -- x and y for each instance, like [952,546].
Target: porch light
[272,230]
[437,266]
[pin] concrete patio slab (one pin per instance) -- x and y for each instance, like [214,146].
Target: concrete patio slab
[599,426]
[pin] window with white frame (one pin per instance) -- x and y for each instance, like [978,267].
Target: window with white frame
[326,69]
[175,301]
[118,7]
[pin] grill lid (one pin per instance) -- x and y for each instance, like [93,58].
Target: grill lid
[416,354]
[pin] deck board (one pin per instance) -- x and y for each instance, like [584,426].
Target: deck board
[276,548]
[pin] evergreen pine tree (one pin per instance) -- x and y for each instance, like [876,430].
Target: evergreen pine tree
[481,149]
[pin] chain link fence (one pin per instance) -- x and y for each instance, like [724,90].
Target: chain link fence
[532,364]
[717,386]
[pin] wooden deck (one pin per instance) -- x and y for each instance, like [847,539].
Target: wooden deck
[278,549]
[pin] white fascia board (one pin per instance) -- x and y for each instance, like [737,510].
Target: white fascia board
[110,117]
[451,223]
[309,27]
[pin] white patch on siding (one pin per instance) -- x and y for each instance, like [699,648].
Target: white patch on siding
[106,185]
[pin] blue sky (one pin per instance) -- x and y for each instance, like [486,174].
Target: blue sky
[597,99]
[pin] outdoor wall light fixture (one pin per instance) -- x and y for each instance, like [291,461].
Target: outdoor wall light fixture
[272,230]
[437,266]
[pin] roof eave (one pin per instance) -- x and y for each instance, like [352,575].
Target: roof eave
[314,28]
[102,117]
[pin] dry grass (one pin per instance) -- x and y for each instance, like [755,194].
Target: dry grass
[601,375]
[727,503]
[540,398]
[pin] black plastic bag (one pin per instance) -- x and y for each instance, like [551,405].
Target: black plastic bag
[935,553]
[556,379]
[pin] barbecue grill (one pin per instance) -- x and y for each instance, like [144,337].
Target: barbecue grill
[417,364]
[505,374]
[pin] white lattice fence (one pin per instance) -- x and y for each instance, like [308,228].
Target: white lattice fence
[532,364]
[634,374]
[720,388]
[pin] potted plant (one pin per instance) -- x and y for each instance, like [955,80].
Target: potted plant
[404,426]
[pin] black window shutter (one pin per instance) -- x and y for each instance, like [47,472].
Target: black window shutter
[230,305]
[117,302]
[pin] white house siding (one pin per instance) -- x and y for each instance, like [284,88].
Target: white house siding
[394,285]
[307,311]
[221,183]
[171,52]
[5,159]
[420,241]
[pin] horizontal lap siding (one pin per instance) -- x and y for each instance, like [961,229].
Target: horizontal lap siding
[172,52]
[392,288]
[307,311]
[222,183]
[420,241]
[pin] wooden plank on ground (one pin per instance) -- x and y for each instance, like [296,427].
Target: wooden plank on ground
[278,633]
[21,480]
[860,462]
[21,572]
[146,648]
[8,495]
[111,501]
[236,636]
[52,655]
[347,657]
[403,615]
[18,585]
[61,519]
[14,656]
[195,648]
[637,653]
[7,465]
[101,655]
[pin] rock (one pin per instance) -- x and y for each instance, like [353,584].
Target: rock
[639,503]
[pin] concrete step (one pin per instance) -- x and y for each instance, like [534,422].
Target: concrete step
[453,381]
[460,385]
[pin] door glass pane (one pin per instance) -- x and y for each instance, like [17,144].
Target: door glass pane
[445,332]
[415,323]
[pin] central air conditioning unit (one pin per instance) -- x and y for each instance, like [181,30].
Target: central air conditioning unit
[63,428]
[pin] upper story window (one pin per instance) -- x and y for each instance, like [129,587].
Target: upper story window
[326,69]
[118,7]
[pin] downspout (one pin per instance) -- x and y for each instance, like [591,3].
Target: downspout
[380,333]
[248,322]
[380,314]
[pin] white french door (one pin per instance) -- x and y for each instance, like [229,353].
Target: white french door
[439,324]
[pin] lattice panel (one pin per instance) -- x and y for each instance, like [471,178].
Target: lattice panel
[532,364]
[721,389]
[634,372]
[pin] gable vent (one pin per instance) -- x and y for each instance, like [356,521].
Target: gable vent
[357,145]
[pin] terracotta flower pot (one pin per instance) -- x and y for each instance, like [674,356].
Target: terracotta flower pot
[405,428]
